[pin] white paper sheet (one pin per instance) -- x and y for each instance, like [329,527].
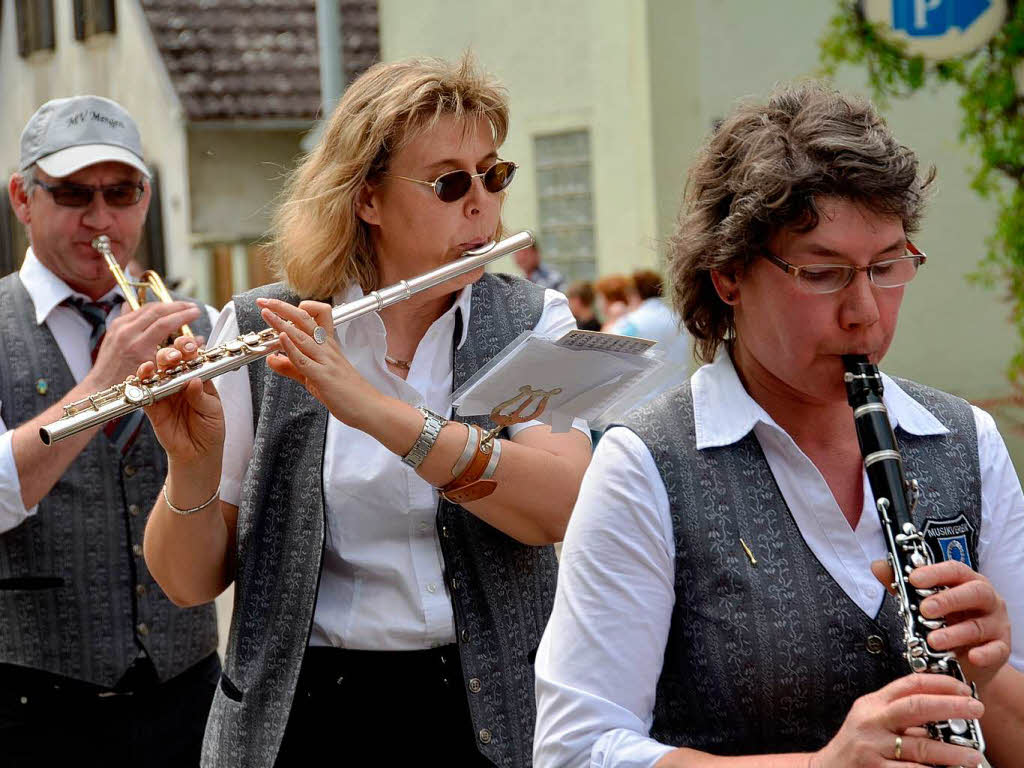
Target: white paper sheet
[591,372]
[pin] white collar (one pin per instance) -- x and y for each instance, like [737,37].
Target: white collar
[724,413]
[47,290]
[461,305]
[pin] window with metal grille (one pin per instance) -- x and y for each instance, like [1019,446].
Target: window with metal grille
[565,202]
[34,19]
[93,17]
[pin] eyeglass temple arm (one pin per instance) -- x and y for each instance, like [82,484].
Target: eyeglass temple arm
[408,178]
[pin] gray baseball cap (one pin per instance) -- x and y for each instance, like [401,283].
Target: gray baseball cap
[66,135]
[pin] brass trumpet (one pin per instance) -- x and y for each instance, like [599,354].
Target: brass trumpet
[135,291]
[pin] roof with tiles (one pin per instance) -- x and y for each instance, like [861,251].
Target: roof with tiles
[254,59]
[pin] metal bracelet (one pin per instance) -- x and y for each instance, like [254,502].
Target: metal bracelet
[492,465]
[193,510]
[432,425]
[472,444]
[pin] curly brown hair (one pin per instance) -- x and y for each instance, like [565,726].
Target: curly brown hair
[761,171]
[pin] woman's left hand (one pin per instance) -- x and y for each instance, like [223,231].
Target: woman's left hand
[977,622]
[320,367]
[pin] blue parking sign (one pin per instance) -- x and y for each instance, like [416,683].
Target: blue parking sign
[934,18]
[937,29]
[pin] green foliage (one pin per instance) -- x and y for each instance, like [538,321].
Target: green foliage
[992,102]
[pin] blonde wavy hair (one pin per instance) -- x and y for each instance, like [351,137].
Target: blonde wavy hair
[318,243]
[762,171]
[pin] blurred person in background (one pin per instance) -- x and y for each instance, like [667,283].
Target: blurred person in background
[96,664]
[535,271]
[651,318]
[612,293]
[393,571]
[581,302]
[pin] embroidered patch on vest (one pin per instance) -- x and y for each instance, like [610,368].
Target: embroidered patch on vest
[948,539]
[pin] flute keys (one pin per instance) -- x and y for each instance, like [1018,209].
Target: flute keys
[136,395]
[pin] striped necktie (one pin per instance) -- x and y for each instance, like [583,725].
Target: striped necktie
[121,432]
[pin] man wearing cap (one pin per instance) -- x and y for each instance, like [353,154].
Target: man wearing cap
[94,659]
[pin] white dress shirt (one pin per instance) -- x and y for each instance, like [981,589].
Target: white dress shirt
[381,586]
[71,331]
[599,660]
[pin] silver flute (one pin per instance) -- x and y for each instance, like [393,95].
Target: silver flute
[135,393]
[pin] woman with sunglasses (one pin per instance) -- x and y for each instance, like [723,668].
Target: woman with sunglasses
[721,597]
[393,571]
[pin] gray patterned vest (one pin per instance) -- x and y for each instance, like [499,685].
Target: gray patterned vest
[502,591]
[769,658]
[76,598]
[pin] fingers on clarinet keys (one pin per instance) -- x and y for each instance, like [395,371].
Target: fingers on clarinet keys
[921,750]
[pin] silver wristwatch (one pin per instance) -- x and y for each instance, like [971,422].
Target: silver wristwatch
[432,424]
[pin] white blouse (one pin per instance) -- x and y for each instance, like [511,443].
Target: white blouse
[599,660]
[382,584]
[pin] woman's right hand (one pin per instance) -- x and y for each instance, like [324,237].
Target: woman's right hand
[894,715]
[189,424]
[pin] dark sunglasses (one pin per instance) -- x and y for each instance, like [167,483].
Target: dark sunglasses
[72,195]
[454,185]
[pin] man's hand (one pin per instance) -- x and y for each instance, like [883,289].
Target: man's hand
[134,337]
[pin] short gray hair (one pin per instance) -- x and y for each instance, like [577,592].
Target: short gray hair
[28,178]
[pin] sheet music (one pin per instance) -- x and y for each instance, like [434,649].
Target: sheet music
[592,370]
[605,342]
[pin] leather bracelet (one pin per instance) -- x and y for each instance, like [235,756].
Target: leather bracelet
[193,510]
[472,473]
[472,492]
[472,445]
[432,426]
[492,465]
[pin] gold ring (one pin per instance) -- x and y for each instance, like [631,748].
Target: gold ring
[899,747]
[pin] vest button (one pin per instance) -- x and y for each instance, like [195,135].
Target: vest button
[455,584]
[445,532]
[133,510]
[875,644]
[464,635]
[140,590]
[485,736]
[143,629]
[474,685]
[130,470]
[137,549]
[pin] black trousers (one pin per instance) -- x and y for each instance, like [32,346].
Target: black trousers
[48,720]
[406,707]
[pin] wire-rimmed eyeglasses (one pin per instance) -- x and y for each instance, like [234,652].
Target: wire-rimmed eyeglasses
[829,278]
[453,185]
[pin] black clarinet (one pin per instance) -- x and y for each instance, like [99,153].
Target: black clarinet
[895,499]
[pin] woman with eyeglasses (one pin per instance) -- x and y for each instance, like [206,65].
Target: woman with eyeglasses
[393,570]
[721,597]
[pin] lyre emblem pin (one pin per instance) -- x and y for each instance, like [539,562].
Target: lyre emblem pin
[42,386]
[526,397]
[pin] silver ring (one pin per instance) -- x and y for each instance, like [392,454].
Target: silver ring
[899,747]
[319,335]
